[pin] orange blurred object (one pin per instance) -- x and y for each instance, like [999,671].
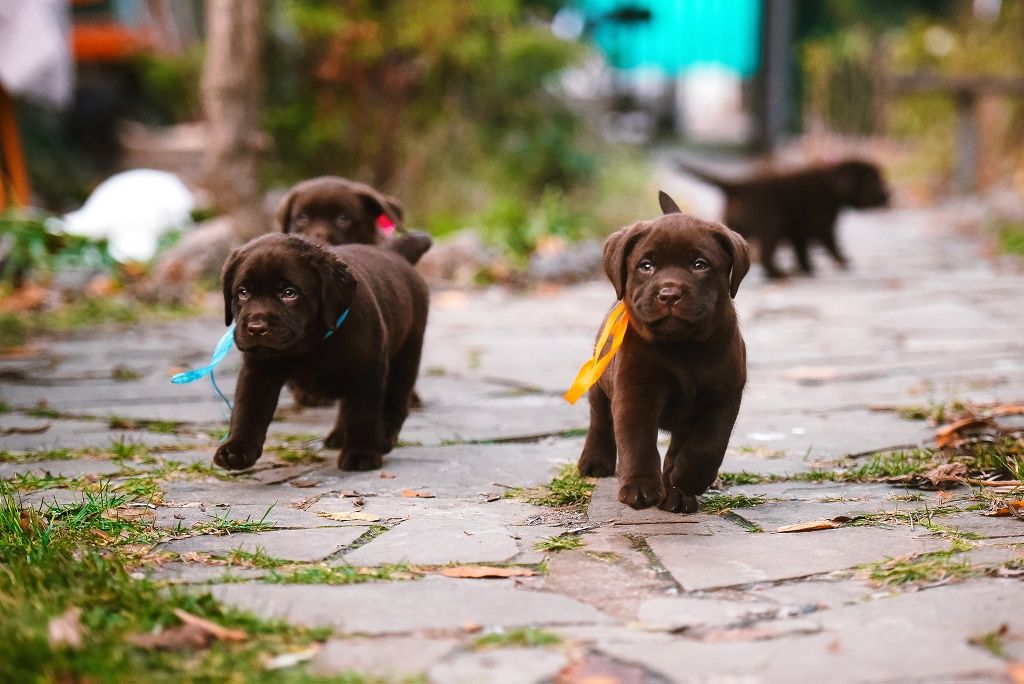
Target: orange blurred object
[107,42]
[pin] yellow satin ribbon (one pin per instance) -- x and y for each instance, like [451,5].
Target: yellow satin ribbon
[615,327]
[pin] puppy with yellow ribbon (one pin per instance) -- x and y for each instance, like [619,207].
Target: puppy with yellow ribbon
[670,356]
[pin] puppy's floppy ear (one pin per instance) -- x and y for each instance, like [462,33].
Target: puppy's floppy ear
[378,203]
[227,279]
[337,286]
[737,248]
[668,205]
[283,217]
[616,252]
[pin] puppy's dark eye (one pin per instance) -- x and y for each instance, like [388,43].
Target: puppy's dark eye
[342,219]
[645,266]
[289,293]
[701,265]
[302,217]
[242,293]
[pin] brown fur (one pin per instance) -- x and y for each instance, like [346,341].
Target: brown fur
[798,207]
[285,292]
[682,364]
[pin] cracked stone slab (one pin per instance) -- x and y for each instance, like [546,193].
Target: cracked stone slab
[441,531]
[461,470]
[501,666]
[184,517]
[402,607]
[79,434]
[983,526]
[72,468]
[606,508]
[178,572]
[305,545]
[390,657]
[51,498]
[702,562]
[238,492]
[771,516]
[685,612]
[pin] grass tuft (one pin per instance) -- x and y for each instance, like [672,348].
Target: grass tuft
[521,637]
[720,503]
[561,542]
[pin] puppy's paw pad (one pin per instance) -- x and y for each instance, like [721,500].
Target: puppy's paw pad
[678,502]
[642,493]
[236,455]
[596,467]
[360,460]
[335,440]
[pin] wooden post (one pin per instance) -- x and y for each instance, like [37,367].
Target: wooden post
[12,160]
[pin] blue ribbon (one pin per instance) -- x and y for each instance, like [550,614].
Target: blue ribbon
[221,351]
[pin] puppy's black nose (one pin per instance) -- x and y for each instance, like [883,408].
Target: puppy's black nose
[670,295]
[257,328]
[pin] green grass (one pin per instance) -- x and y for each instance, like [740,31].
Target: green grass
[993,642]
[42,412]
[937,412]
[124,374]
[925,568]
[720,503]
[521,637]
[296,449]
[342,574]
[561,542]
[225,525]
[1011,237]
[53,561]
[567,488]
[892,464]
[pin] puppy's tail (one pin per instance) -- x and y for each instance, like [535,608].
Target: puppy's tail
[412,245]
[706,176]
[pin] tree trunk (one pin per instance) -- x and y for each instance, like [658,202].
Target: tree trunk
[231,98]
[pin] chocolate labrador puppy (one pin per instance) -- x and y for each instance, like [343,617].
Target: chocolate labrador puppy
[682,364]
[798,207]
[289,296]
[337,211]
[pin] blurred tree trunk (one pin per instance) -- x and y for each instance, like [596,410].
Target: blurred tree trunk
[231,101]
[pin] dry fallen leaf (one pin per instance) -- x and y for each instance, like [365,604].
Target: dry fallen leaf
[194,634]
[811,526]
[292,659]
[215,630]
[304,483]
[66,629]
[947,472]
[947,435]
[471,627]
[16,430]
[355,515]
[387,475]
[480,571]
[416,494]
[1007,410]
[1012,508]
[1015,671]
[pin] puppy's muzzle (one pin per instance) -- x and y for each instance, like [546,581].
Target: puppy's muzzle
[669,295]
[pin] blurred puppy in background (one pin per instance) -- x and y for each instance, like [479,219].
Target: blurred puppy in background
[798,207]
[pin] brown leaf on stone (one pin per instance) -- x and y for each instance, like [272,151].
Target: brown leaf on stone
[304,483]
[66,630]
[810,526]
[471,627]
[355,515]
[416,494]
[215,630]
[1007,410]
[947,472]
[948,435]
[17,430]
[387,475]
[180,638]
[482,571]
[1012,508]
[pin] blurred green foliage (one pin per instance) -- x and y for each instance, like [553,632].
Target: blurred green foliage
[29,250]
[844,70]
[449,105]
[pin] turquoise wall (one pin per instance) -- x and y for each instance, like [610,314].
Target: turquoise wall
[681,34]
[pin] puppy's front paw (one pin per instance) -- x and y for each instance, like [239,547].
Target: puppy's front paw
[596,465]
[237,455]
[678,502]
[335,440]
[642,492]
[360,460]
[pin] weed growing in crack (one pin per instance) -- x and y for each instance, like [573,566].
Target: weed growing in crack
[341,574]
[523,637]
[925,568]
[567,488]
[720,503]
[561,542]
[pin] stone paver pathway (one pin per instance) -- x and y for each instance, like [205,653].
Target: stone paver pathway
[923,318]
